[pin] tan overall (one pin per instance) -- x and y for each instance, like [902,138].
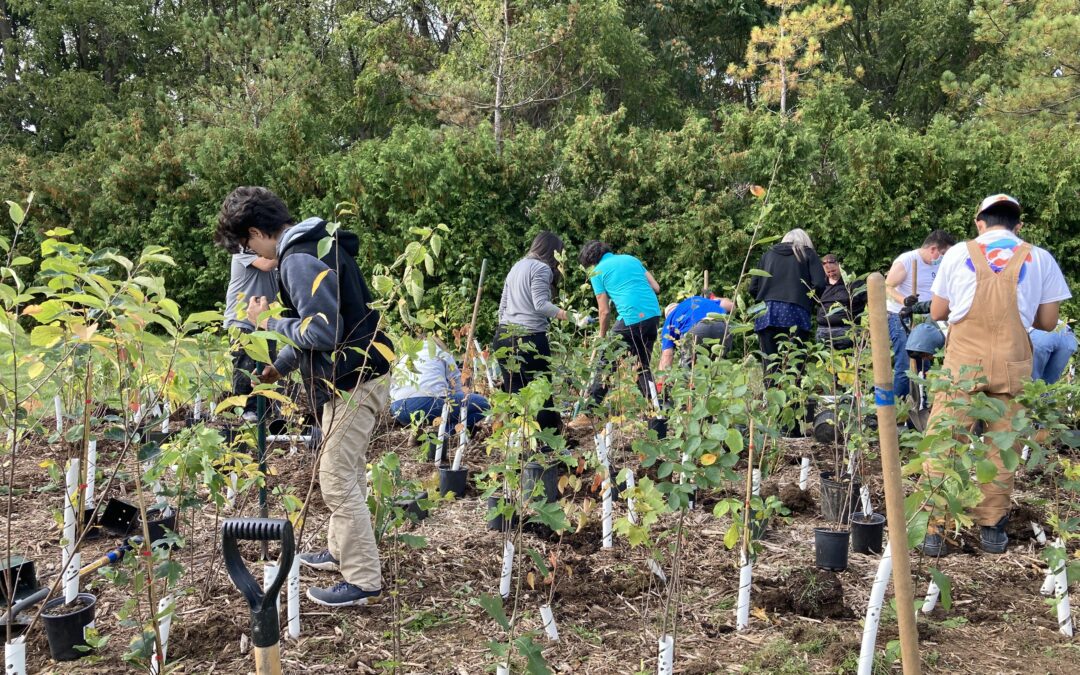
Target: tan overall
[992,339]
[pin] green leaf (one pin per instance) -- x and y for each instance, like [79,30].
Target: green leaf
[493,605]
[436,244]
[917,528]
[534,657]
[945,584]
[759,273]
[731,537]
[46,336]
[324,247]
[413,541]
[15,212]
[985,470]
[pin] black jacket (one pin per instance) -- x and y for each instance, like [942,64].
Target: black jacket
[839,306]
[330,294]
[791,280]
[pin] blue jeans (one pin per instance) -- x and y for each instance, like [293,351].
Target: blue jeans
[898,338]
[430,407]
[1050,354]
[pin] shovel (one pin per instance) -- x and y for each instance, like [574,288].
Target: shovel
[265,630]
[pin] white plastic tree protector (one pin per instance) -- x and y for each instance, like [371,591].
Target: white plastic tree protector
[873,612]
[164,626]
[932,595]
[444,425]
[270,571]
[70,522]
[652,395]
[1061,592]
[71,577]
[665,662]
[287,438]
[294,599]
[804,474]
[196,413]
[864,495]
[15,657]
[165,412]
[755,482]
[91,474]
[502,669]
[1040,535]
[507,568]
[58,404]
[631,510]
[742,609]
[608,513]
[1048,583]
[230,491]
[463,441]
[548,620]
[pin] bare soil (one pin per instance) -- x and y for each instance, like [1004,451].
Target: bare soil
[607,602]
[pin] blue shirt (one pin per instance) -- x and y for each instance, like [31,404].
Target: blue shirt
[622,277]
[685,316]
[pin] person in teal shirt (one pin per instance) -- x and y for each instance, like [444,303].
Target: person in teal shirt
[624,281]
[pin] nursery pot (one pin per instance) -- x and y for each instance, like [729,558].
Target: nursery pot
[499,523]
[659,425]
[65,631]
[91,528]
[23,575]
[831,549]
[447,455]
[825,427]
[118,516]
[838,497]
[867,532]
[156,523]
[411,505]
[453,481]
[547,475]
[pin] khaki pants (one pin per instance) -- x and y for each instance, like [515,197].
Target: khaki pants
[343,481]
[997,494]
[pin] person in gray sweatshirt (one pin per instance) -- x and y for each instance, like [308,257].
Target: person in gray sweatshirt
[343,357]
[525,312]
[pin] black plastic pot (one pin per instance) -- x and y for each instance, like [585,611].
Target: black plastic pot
[157,523]
[118,517]
[825,427]
[434,445]
[831,549]
[23,576]
[92,529]
[867,532]
[659,425]
[537,473]
[499,523]
[838,497]
[411,504]
[65,632]
[453,481]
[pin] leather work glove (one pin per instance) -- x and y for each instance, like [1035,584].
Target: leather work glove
[911,300]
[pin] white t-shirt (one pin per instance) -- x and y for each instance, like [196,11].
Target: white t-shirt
[927,273]
[431,373]
[1041,280]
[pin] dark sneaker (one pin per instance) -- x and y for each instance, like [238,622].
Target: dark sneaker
[319,561]
[993,538]
[344,594]
[934,546]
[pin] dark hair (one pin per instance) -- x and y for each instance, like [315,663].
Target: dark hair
[248,207]
[544,247]
[591,253]
[1000,215]
[939,238]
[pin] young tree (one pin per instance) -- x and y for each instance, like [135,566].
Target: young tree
[784,56]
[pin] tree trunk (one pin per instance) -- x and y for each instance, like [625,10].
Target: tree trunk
[500,76]
[7,41]
[783,68]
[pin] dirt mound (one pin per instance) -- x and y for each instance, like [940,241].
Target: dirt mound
[808,592]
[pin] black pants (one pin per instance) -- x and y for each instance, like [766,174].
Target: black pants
[770,339]
[529,359]
[639,339]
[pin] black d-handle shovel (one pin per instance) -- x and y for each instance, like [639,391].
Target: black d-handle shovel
[265,631]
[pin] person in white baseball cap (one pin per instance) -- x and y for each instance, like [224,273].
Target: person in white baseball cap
[992,290]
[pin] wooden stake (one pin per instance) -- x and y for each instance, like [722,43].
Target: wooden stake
[466,365]
[890,465]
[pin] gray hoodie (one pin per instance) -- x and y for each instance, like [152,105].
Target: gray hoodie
[526,297]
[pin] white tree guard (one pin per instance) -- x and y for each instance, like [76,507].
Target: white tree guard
[665,662]
[507,568]
[15,657]
[873,612]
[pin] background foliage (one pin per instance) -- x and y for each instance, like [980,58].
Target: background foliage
[131,119]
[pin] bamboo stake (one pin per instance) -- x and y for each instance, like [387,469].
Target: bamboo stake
[466,365]
[890,465]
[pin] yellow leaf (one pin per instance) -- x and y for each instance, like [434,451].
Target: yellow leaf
[304,325]
[318,280]
[272,470]
[708,459]
[31,310]
[759,613]
[386,352]
[530,578]
[757,191]
[581,521]
[36,369]
[84,333]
